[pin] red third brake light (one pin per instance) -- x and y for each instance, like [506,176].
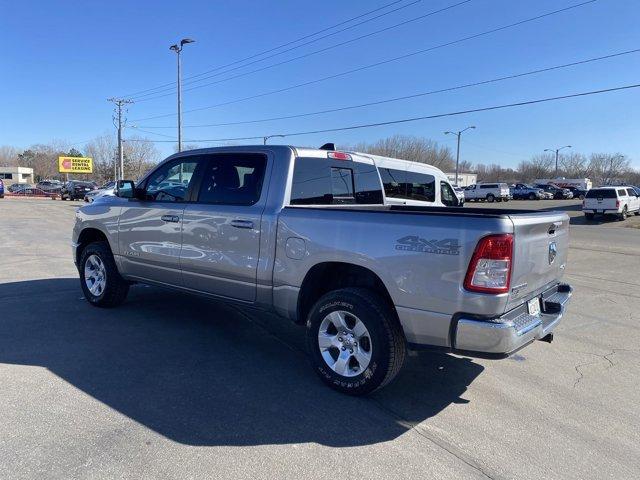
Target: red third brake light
[490,267]
[339,155]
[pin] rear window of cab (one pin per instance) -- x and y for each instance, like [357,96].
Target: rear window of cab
[601,193]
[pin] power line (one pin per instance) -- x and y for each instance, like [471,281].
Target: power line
[280,46]
[309,54]
[377,64]
[415,119]
[412,96]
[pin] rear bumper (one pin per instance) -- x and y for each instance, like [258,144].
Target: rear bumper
[603,211]
[504,335]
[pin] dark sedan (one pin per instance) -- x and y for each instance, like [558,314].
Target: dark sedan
[76,190]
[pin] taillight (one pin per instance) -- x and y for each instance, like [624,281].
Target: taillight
[617,203]
[339,155]
[490,267]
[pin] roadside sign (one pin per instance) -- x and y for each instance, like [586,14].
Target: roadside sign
[75,165]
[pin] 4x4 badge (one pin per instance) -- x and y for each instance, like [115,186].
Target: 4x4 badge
[413,243]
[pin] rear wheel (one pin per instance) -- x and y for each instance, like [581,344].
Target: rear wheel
[490,198]
[101,282]
[355,341]
[623,216]
[532,196]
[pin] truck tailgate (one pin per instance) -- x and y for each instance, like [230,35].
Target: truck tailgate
[541,244]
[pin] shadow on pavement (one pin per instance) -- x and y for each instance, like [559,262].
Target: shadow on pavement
[202,373]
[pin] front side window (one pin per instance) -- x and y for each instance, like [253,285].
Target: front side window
[233,179]
[170,182]
[447,195]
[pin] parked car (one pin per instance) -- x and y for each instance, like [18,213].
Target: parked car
[33,192]
[487,191]
[91,197]
[76,190]
[558,193]
[105,190]
[578,192]
[523,191]
[412,183]
[1,188]
[15,187]
[619,201]
[50,186]
[305,233]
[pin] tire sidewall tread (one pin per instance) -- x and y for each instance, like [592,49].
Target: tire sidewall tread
[116,288]
[388,343]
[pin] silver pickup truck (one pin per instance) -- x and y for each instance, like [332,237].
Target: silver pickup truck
[305,233]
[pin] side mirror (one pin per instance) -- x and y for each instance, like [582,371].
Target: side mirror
[125,189]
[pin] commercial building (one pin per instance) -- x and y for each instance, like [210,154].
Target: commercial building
[464,179]
[16,175]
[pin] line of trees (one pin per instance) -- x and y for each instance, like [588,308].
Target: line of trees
[601,168]
[139,157]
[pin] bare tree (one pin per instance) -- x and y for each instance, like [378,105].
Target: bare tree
[139,157]
[8,156]
[496,173]
[574,165]
[540,166]
[104,151]
[411,148]
[608,168]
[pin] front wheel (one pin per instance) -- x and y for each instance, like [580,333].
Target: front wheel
[355,341]
[100,280]
[490,198]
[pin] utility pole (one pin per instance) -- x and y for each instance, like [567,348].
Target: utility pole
[557,151]
[178,48]
[458,134]
[119,102]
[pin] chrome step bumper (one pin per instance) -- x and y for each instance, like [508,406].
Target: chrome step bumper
[513,330]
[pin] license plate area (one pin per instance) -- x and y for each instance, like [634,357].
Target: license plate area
[533,306]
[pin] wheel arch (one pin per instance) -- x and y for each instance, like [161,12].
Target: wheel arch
[87,236]
[328,276]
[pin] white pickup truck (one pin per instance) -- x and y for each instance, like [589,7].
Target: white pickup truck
[487,191]
[620,201]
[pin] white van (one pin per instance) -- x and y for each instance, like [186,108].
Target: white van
[413,183]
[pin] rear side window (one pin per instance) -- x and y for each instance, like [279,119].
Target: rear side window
[394,182]
[601,193]
[233,179]
[408,185]
[334,182]
[622,192]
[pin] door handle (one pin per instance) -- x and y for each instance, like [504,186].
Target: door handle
[242,223]
[170,218]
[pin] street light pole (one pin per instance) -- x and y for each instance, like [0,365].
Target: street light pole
[557,151]
[178,48]
[458,134]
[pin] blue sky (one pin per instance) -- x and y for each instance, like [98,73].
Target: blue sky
[61,60]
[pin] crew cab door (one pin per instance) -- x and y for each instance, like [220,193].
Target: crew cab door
[150,227]
[222,227]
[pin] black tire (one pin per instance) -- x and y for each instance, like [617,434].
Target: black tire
[636,213]
[499,200]
[623,216]
[387,342]
[490,198]
[581,196]
[589,216]
[532,196]
[116,288]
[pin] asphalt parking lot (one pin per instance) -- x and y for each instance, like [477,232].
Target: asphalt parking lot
[156,389]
